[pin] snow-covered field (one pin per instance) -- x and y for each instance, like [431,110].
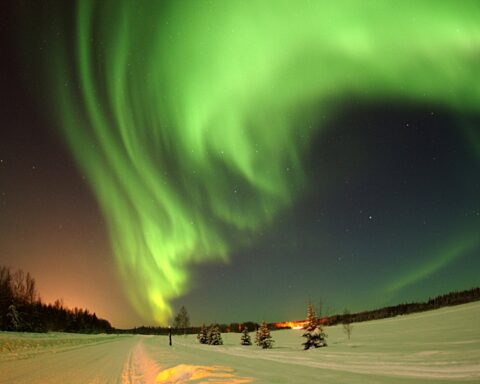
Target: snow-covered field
[430,347]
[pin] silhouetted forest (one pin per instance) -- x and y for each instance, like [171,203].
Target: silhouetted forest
[224,328]
[449,299]
[21,309]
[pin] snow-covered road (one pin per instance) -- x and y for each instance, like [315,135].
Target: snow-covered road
[104,362]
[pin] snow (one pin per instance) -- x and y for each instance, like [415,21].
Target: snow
[441,345]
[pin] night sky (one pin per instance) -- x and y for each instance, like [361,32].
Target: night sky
[240,158]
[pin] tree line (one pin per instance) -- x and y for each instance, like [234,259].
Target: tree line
[181,323]
[22,310]
[449,299]
[190,330]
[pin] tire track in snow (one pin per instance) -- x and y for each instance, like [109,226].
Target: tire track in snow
[139,367]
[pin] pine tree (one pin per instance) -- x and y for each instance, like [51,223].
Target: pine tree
[313,331]
[246,337]
[14,316]
[263,337]
[214,336]
[209,334]
[202,335]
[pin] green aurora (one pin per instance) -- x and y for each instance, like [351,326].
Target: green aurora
[190,119]
[443,255]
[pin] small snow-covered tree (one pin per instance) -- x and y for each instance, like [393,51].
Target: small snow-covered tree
[313,331]
[246,337]
[202,335]
[214,336]
[263,337]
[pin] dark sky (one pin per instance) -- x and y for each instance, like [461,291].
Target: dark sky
[388,209]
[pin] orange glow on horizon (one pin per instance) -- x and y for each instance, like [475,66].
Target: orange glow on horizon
[297,324]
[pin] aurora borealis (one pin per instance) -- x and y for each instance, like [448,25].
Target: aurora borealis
[272,150]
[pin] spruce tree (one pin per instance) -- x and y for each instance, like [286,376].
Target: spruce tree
[313,331]
[14,316]
[209,333]
[214,336]
[246,337]
[263,337]
[202,335]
